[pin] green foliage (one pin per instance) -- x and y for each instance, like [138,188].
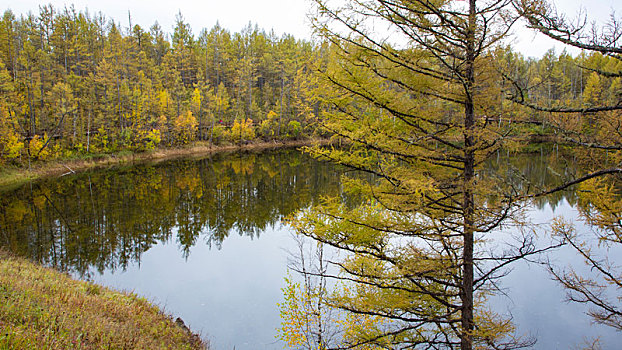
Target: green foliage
[80,81]
[124,140]
[148,141]
[293,314]
[597,283]
[422,119]
[294,129]
[269,126]
[219,134]
[593,90]
[100,141]
[138,206]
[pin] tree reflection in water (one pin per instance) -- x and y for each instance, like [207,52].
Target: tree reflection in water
[104,220]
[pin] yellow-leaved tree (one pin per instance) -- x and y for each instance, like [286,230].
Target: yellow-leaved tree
[11,143]
[416,263]
[242,131]
[185,127]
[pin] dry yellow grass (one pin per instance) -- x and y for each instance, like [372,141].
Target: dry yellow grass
[41,308]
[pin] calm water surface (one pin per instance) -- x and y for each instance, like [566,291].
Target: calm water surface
[205,239]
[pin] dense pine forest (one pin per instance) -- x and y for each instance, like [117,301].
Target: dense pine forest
[75,83]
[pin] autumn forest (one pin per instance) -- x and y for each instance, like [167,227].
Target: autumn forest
[75,83]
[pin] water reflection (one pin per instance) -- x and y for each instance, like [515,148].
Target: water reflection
[204,237]
[108,219]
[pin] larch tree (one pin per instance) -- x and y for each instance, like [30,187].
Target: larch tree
[412,89]
[10,145]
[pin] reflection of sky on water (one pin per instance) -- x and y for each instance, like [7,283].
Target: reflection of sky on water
[230,294]
[537,302]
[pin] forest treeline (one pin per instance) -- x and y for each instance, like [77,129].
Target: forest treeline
[77,83]
[73,83]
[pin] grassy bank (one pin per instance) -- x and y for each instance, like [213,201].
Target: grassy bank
[15,176]
[41,308]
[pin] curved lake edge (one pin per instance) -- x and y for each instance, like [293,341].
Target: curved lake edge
[90,315]
[14,177]
[263,161]
[59,280]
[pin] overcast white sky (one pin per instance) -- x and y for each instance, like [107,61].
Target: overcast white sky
[284,16]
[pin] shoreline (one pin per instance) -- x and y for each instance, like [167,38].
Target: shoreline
[39,284]
[15,176]
[45,308]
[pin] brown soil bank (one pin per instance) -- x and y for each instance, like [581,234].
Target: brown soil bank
[41,308]
[10,177]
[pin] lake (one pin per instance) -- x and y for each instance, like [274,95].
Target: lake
[205,239]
